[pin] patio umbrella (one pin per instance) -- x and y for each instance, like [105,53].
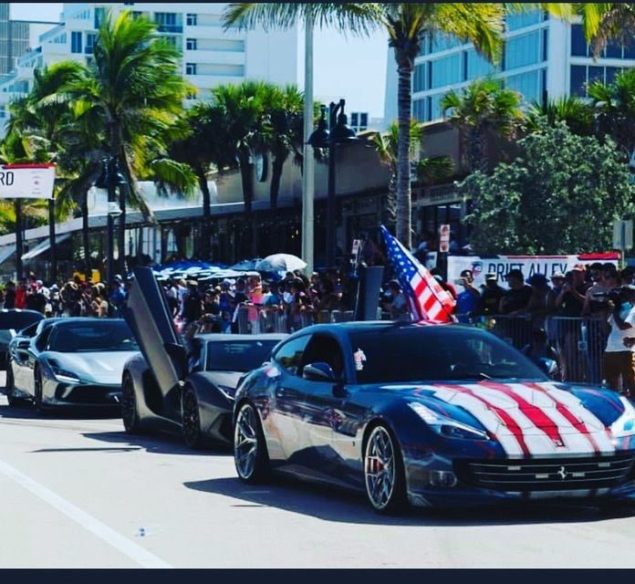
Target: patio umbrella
[281,262]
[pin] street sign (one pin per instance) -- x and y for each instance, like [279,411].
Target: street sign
[27,181]
[623,235]
[444,238]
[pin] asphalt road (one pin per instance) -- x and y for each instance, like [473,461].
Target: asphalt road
[77,492]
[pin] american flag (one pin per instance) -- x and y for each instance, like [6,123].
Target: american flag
[427,299]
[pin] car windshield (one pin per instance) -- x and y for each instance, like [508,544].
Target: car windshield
[97,336]
[238,355]
[18,320]
[443,353]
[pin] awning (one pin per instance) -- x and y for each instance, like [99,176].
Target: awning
[43,246]
[5,252]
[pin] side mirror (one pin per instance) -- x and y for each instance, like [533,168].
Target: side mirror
[319,372]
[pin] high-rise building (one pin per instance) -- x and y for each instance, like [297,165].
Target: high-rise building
[210,55]
[543,58]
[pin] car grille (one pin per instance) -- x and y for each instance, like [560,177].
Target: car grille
[93,394]
[546,474]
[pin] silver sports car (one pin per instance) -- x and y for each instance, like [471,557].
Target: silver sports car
[73,362]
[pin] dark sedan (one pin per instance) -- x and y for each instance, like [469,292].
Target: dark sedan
[430,415]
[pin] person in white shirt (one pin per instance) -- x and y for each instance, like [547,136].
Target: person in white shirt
[619,358]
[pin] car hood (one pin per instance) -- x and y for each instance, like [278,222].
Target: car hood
[530,418]
[225,378]
[100,367]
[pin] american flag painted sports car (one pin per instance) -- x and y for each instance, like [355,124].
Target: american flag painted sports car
[431,416]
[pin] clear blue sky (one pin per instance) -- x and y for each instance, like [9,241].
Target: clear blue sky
[349,67]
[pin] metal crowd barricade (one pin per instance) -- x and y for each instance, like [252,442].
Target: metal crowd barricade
[250,319]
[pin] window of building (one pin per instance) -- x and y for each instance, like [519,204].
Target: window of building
[522,50]
[354,119]
[91,37]
[443,42]
[522,20]
[191,19]
[76,42]
[611,72]
[595,74]
[190,68]
[477,66]
[527,84]
[363,120]
[100,13]
[579,47]
[190,44]
[435,106]
[172,39]
[446,71]
[425,45]
[577,80]
[629,51]
[420,78]
[419,109]
[613,50]
[168,22]
[545,45]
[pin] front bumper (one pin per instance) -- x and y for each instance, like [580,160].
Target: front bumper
[58,394]
[453,483]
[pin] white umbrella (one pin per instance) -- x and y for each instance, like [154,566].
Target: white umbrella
[281,262]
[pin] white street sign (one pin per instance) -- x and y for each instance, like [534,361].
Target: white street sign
[27,181]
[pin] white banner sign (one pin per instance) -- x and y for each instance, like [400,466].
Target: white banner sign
[529,265]
[27,181]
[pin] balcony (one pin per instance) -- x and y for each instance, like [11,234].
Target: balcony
[173,28]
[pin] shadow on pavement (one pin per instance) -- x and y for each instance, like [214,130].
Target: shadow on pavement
[158,444]
[334,504]
[27,412]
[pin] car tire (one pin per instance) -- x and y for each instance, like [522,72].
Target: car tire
[14,402]
[38,399]
[384,476]
[129,412]
[250,449]
[190,419]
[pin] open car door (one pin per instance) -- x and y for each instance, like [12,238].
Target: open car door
[149,318]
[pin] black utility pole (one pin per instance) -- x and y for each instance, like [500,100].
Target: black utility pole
[19,240]
[52,240]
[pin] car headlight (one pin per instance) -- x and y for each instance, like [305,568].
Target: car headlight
[446,426]
[63,375]
[625,425]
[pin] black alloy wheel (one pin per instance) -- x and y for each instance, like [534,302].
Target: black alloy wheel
[129,413]
[191,421]
[250,450]
[384,475]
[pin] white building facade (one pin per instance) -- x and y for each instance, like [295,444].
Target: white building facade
[210,55]
[544,58]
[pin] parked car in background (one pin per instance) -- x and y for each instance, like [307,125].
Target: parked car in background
[13,320]
[429,415]
[76,361]
[168,388]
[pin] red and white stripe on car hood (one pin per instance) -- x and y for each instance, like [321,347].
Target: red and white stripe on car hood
[530,419]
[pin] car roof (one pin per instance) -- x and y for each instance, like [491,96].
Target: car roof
[217,337]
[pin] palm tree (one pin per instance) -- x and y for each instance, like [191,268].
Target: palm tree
[284,110]
[605,22]
[571,110]
[428,169]
[133,94]
[484,106]
[49,123]
[204,147]
[614,107]
[405,25]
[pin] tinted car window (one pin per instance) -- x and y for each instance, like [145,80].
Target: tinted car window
[437,354]
[29,331]
[101,335]
[289,355]
[237,355]
[324,349]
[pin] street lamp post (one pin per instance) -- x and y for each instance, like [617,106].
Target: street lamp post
[338,132]
[110,179]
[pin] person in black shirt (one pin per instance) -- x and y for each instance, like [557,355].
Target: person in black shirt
[9,295]
[491,295]
[515,300]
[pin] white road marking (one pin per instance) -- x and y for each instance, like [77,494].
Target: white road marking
[129,548]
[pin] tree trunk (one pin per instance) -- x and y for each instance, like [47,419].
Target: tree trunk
[207,212]
[52,240]
[276,177]
[404,194]
[86,237]
[247,179]
[121,233]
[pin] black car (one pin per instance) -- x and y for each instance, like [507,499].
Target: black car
[172,388]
